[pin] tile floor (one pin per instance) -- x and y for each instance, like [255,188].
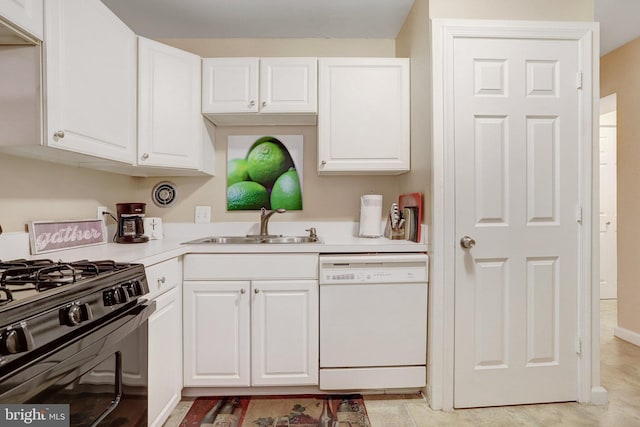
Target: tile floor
[620,375]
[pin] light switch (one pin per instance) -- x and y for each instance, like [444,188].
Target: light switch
[203,214]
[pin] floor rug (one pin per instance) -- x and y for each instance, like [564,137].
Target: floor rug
[278,411]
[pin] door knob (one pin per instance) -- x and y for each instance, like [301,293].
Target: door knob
[467,242]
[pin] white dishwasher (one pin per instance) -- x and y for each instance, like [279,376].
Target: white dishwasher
[373,321]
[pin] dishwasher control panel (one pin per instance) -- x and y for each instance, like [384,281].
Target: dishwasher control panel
[383,268]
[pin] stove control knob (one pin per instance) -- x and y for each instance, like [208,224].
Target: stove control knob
[12,342]
[16,340]
[109,297]
[75,314]
[115,296]
[134,288]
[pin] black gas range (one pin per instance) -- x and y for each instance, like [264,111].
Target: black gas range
[75,333]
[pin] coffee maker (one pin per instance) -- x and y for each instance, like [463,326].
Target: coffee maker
[130,223]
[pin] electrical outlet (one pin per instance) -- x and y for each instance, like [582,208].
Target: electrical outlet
[101,211]
[203,214]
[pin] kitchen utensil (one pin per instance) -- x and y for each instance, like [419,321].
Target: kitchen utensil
[394,215]
[412,200]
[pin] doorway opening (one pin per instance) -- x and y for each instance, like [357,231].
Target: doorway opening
[608,199]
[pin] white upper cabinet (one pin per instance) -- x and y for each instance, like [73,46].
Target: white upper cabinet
[363,116]
[288,85]
[25,14]
[90,73]
[230,85]
[272,90]
[169,118]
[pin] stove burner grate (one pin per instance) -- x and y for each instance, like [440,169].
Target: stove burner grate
[38,277]
[5,296]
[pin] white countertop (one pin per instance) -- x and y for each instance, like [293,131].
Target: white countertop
[335,237]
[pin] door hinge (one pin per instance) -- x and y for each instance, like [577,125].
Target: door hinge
[578,346]
[579,214]
[579,80]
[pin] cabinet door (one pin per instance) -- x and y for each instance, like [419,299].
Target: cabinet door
[284,339]
[90,68]
[169,118]
[26,14]
[165,357]
[288,85]
[216,333]
[230,85]
[363,115]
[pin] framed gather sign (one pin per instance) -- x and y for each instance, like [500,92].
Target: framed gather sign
[47,236]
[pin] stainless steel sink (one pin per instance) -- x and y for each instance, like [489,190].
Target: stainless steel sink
[234,240]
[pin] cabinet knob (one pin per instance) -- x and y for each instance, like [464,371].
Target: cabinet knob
[324,162]
[264,103]
[161,280]
[145,156]
[59,134]
[256,290]
[252,103]
[243,291]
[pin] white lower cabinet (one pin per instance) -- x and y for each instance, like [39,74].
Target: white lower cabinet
[250,332]
[165,340]
[216,334]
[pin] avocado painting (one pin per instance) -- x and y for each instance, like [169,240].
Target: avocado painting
[264,171]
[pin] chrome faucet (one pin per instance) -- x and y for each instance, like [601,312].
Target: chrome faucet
[264,219]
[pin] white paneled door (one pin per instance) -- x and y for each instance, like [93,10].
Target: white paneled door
[516,109]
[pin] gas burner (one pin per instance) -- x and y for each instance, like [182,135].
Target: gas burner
[38,277]
[93,268]
[25,263]
[5,296]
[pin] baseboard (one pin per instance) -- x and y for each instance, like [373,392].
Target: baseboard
[599,396]
[627,335]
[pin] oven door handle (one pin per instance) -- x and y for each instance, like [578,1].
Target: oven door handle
[118,392]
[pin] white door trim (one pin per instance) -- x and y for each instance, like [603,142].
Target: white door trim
[441,311]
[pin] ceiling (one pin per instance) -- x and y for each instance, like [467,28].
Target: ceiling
[317,18]
[263,18]
[618,22]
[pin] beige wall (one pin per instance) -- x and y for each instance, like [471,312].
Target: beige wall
[413,42]
[620,74]
[285,47]
[36,190]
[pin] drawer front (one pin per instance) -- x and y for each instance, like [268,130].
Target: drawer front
[164,276]
[250,266]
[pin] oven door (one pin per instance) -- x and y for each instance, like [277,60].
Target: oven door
[102,374]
